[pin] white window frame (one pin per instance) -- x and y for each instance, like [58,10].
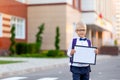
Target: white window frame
[23,1]
[0,25]
[19,27]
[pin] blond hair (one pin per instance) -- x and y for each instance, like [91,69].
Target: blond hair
[81,25]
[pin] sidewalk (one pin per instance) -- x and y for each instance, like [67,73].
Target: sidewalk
[106,69]
[33,64]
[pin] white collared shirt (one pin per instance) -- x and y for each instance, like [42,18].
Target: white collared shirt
[78,42]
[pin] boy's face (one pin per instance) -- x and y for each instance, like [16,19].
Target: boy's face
[81,31]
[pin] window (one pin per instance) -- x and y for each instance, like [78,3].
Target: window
[19,27]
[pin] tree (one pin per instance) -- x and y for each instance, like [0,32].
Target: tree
[57,38]
[12,39]
[39,37]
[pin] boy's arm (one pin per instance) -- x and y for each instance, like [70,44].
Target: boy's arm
[69,50]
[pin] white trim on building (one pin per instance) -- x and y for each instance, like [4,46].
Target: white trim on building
[48,1]
[88,5]
[0,25]
[92,18]
[19,23]
[23,1]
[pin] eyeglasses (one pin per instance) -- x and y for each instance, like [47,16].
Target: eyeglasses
[80,30]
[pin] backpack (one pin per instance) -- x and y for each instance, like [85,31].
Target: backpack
[73,45]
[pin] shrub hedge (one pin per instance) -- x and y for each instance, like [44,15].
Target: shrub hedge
[23,48]
[55,53]
[30,50]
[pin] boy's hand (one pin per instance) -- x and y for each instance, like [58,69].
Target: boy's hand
[72,52]
[96,51]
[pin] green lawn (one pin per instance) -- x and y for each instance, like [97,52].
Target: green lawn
[8,62]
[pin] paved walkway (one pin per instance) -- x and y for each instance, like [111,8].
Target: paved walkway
[33,64]
[106,69]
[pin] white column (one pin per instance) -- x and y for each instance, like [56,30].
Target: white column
[89,34]
[94,38]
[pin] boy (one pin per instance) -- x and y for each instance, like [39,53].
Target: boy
[79,71]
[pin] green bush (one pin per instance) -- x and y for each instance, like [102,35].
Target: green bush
[61,54]
[21,48]
[44,54]
[31,48]
[39,37]
[12,39]
[57,39]
[55,53]
[36,55]
[115,42]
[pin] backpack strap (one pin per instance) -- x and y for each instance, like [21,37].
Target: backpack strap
[73,45]
[89,42]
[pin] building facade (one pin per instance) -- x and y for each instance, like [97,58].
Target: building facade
[12,12]
[28,15]
[117,19]
[97,14]
[65,14]
[62,13]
